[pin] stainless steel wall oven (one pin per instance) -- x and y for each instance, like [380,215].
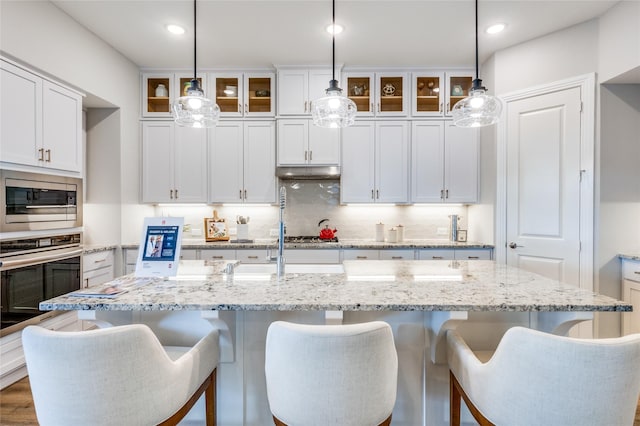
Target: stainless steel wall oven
[32,201]
[35,269]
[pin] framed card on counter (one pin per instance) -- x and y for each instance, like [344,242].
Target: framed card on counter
[159,251]
[215,228]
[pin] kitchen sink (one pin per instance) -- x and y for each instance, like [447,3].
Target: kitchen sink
[294,268]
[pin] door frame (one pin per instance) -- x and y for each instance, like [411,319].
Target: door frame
[587,85]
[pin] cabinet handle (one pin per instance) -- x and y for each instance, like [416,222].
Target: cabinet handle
[362,257]
[371,107]
[48,151]
[86,282]
[100,261]
[305,106]
[397,257]
[217,257]
[442,194]
[252,257]
[176,194]
[437,257]
[636,272]
[171,194]
[473,257]
[378,106]
[377,194]
[305,155]
[240,194]
[310,155]
[41,154]
[372,197]
[446,193]
[240,108]
[246,108]
[440,106]
[448,107]
[245,194]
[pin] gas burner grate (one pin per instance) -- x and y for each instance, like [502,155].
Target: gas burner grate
[300,239]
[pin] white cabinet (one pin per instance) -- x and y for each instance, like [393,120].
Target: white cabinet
[458,86]
[375,162]
[302,143]
[436,254]
[311,256]
[159,90]
[242,162]
[217,254]
[298,87]
[445,162]
[360,254]
[252,255]
[455,254]
[98,268]
[397,254]
[174,163]
[434,93]
[41,121]
[473,254]
[631,294]
[244,94]
[378,93]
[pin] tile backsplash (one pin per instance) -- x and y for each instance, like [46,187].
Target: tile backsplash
[309,201]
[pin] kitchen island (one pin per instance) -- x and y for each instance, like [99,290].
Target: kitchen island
[420,299]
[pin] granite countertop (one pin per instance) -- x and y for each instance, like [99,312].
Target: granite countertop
[629,256]
[342,244]
[365,285]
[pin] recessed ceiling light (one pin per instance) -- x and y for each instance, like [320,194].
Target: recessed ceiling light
[496,28]
[175,29]
[339,28]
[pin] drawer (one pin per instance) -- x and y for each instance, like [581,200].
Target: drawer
[97,260]
[436,254]
[188,254]
[631,270]
[397,255]
[98,276]
[217,254]
[252,256]
[131,257]
[311,255]
[356,254]
[473,254]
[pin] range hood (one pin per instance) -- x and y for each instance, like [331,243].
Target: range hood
[308,172]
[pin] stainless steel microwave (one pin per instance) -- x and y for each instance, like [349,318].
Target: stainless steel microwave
[33,201]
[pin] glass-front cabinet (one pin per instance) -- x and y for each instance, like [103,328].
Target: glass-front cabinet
[428,94]
[378,94]
[458,87]
[245,95]
[160,90]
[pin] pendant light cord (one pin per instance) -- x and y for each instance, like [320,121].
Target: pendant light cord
[333,44]
[194,40]
[477,74]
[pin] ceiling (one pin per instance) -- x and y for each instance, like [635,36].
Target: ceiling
[264,33]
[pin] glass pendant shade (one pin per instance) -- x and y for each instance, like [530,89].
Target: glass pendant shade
[194,110]
[477,110]
[333,110]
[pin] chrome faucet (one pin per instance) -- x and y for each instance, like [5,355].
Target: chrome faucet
[279,259]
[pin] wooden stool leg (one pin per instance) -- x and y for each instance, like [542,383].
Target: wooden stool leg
[210,400]
[454,400]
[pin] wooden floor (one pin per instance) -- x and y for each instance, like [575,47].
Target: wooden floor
[16,405]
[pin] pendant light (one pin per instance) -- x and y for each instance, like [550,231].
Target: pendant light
[478,109]
[194,110]
[333,110]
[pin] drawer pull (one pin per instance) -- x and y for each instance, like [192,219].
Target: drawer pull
[362,257]
[252,257]
[397,257]
[473,257]
[436,257]
[636,272]
[217,257]
[100,261]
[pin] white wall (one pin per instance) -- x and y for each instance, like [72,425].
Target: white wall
[619,41]
[41,36]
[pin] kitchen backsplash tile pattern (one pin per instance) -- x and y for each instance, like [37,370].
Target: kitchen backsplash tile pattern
[309,201]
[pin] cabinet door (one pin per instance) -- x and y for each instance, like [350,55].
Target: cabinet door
[631,294]
[358,254]
[319,83]
[293,89]
[360,88]
[190,165]
[358,163]
[461,164]
[293,142]
[157,161]
[260,162]
[473,254]
[226,164]
[217,254]
[427,96]
[259,95]
[392,94]
[436,254]
[397,254]
[61,127]
[458,87]
[427,162]
[324,145]
[228,89]
[392,162]
[155,103]
[21,130]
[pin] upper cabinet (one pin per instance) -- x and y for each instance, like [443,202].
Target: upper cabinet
[301,143]
[379,93]
[435,93]
[244,94]
[444,163]
[41,121]
[174,163]
[159,90]
[298,87]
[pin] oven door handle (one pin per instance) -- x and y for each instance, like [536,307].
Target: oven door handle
[12,264]
[51,206]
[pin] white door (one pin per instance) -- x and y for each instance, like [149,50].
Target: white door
[190,165]
[293,142]
[543,184]
[392,162]
[157,161]
[293,89]
[61,127]
[427,161]
[226,163]
[358,163]
[324,145]
[461,164]
[259,162]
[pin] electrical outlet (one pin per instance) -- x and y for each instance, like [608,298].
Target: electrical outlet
[442,231]
[233,231]
[273,232]
[187,227]
[196,232]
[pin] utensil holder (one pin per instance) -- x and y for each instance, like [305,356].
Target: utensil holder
[242,232]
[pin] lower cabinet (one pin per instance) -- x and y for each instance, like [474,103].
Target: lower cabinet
[217,254]
[98,268]
[631,294]
[311,255]
[455,254]
[360,254]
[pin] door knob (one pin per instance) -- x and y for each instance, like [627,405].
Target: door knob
[514,245]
